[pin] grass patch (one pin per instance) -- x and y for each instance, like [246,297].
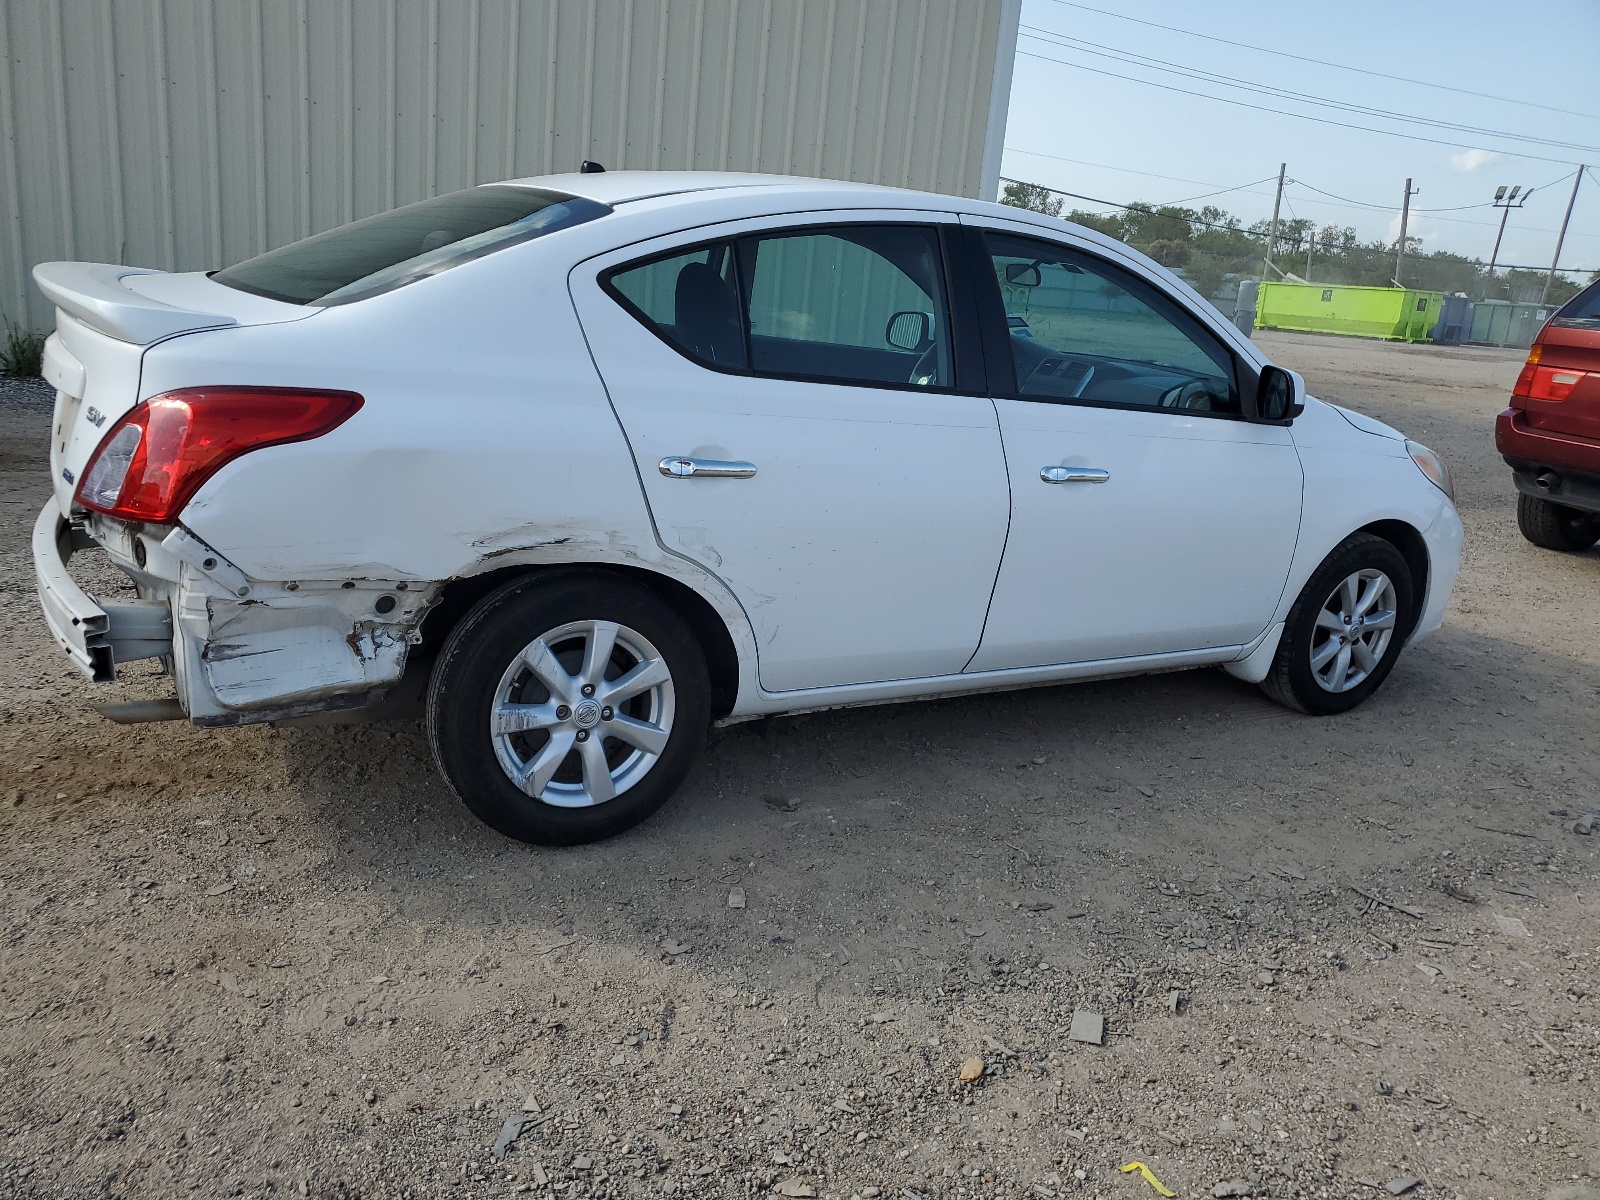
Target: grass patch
[21,352]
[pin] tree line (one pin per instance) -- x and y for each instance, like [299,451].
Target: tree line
[1213,249]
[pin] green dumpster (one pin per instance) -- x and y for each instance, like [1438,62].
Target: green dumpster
[1399,314]
[1500,323]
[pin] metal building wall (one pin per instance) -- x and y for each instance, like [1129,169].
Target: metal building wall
[190,134]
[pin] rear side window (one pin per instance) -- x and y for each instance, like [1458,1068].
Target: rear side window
[692,300]
[1582,311]
[389,250]
[861,304]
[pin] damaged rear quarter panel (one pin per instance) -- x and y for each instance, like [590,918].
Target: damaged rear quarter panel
[484,422]
[486,440]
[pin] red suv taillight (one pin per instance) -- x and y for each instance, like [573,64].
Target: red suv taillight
[1546,383]
[154,460]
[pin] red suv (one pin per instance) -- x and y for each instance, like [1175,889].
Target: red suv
[1551,433]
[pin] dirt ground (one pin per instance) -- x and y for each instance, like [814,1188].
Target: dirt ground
[286,962]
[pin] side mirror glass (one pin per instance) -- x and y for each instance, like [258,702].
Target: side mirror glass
[1023,274]
[910,330]
[1280,396]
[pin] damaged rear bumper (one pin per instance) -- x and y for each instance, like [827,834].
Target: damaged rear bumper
[96,634]
[240,649]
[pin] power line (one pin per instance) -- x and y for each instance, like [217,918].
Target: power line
[1249,233]
[1543,269]
[1389,207]
[1321,62]
[1222,192]
[1334,201]
[1414,137]
[1456,208]
[1132,58]
[1141,206]
[1083,162]
[1146,205]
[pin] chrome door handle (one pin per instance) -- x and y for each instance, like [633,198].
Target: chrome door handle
[1074,475]
[706,468]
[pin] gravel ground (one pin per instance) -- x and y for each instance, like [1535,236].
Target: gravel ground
[26,395]
[1333,956]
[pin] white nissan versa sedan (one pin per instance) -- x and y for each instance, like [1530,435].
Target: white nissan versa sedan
[594,459]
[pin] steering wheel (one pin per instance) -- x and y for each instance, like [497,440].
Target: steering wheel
[1194,395]
[926,371]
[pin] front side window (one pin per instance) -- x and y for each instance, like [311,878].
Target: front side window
[380,253]
[860,304]
[1080,329]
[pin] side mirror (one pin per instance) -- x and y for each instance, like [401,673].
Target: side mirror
[910,330]
[1280,397]
[1023,274]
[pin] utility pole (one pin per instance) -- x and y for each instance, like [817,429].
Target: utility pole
[1562,236]
[1272,234]
[1505,202]
[1405,218]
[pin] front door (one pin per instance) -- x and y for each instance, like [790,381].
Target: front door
[790,396]
[1148,517]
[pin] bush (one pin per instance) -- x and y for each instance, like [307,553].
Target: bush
[1170,252]
[21,353]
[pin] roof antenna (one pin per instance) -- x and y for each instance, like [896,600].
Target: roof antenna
[591,168]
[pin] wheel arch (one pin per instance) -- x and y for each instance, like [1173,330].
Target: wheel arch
[459,595]
[1408,540]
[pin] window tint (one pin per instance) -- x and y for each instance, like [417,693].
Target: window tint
[1083,330]
[692,301]
[860,303]
[389,250]
[1582,311]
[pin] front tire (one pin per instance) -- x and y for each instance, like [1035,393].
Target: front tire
[568,706]
[1554,526]
[1346,629]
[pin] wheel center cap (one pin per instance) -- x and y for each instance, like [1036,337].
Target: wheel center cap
[586,714]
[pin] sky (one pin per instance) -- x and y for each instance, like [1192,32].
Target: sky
[1078,128]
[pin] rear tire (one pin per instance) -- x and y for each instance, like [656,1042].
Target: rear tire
[1346,629]
[568,706]
[1555,526]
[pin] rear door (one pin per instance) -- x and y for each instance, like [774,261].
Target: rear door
[848,488]
[1147,516]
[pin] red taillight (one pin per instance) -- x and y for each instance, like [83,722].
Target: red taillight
[1547,383]
[154,460]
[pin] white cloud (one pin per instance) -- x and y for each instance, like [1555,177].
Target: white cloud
[1471,160]
[1414,229]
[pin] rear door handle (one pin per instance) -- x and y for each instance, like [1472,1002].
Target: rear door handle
[1067,474]
[706,468]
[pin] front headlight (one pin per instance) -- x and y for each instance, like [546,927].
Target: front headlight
[1431,465]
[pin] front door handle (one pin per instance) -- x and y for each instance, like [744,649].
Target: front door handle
[706,468]
[1070,474]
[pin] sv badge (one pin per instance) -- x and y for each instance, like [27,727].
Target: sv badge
[95,416]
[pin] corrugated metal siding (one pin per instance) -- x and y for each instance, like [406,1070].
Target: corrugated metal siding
[190,134]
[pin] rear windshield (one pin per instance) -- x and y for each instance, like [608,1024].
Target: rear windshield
[392,249]
[1583,310]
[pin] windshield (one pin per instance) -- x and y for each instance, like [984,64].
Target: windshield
[389,250]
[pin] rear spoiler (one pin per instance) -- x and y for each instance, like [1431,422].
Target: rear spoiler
[95,295]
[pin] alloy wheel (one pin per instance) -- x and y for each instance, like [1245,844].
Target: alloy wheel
[1353,630]
[582,713]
